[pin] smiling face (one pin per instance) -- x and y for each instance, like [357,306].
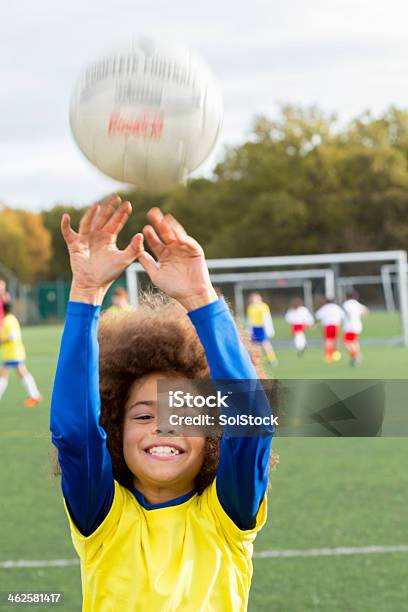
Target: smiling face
[157,462]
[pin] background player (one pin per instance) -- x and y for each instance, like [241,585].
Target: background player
[4,298]
[353,326]
[330,316]
[261,325]
[299,318]
[13,356]
[120,300]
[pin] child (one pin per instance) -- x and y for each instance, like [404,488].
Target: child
[120,300]
[330,315]
[160,523]
[299,318]
[353,326]
[13,356]
[261,325]
[4,297]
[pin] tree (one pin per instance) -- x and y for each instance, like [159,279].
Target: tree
[13,253]
[301,183]
[31,257]
[269,227]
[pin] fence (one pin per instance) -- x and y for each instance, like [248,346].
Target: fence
[45,302]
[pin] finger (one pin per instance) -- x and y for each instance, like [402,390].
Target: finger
[155,215]
[133,250]
[166,232]
[177,228]
[154,242]
[106,210]
[160,225]
[86,221]
[111,198]
[66,229]
[119,218]
[148,264]
[191,245]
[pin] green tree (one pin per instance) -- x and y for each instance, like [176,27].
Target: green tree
[302,182]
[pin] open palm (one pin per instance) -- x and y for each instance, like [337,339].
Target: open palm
[181,271]
[95,259]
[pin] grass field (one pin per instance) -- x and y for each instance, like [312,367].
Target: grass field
[326,493]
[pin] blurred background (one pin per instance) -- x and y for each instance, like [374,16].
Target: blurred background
[313,153]
[313,159]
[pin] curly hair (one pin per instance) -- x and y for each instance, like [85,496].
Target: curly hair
[155,337]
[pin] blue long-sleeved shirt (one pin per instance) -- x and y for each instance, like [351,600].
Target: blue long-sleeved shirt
[87,479]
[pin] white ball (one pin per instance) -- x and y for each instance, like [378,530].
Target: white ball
[147,115]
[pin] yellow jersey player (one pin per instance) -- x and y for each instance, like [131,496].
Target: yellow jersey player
[13,357]
[261,325]
[161,522]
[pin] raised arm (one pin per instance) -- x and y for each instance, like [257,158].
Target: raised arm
[182,273]
[242,476]
[87,480]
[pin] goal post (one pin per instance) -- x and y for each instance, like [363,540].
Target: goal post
[262,266]
[265,280]
[252,280]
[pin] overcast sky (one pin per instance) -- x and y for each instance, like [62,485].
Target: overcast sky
[344,55]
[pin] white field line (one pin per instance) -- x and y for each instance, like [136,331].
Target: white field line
[262,554]
[21,563]
[330,552]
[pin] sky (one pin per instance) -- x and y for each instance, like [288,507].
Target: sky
[346,56]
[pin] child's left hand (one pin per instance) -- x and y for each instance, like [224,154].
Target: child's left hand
[182,272]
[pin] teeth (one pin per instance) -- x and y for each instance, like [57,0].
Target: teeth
[163,450]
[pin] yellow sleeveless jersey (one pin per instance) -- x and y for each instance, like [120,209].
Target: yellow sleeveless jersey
[185,558]
[11,347]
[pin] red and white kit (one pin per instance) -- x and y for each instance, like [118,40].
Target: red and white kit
[330,316]
[352,326]
[299,319]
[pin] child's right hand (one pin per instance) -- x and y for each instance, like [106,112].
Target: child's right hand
[95,259]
